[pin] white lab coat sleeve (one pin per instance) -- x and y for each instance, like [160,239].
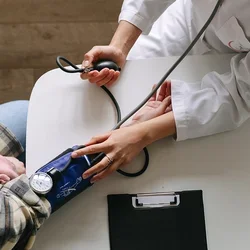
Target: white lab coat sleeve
[143,13]
[219,103]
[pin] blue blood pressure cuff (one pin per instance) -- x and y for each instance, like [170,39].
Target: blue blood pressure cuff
[66,174]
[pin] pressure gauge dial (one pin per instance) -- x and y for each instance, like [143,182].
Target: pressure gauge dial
[41,183]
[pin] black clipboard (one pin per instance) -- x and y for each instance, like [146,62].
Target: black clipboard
[157,221]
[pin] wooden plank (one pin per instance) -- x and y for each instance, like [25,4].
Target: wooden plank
[39,72]
[38,11]
[16,84]
[38,45]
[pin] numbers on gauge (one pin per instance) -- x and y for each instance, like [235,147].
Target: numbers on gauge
[41,182]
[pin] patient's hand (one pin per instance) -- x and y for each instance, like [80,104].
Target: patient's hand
[156,106]
[10,168]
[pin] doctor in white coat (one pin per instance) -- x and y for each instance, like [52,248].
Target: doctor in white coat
[186,110]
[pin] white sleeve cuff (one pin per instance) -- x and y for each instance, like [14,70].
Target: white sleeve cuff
[137,20]
[178,91]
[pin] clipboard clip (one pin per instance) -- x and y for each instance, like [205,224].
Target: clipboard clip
[156,200]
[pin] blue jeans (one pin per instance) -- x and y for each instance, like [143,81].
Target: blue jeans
[13,115]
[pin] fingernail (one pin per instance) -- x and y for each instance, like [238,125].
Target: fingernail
[83,76]
[74,154]
[85,176]
[86,63]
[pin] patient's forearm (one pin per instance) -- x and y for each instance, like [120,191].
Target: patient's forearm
[22,213]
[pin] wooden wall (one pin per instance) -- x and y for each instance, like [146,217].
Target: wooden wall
[34,32]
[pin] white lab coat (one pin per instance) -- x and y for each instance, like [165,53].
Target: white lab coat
[218,102]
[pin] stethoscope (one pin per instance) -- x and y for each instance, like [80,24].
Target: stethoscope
[111,65]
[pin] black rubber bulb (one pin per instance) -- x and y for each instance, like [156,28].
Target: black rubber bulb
[99,65]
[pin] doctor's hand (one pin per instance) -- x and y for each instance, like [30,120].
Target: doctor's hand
[157,105]
[121,43]
[120,147]
[105,76]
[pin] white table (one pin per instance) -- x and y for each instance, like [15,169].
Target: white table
[64,111]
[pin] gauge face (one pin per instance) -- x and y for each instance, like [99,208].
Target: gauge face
[41,183]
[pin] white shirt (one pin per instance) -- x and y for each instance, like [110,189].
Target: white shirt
[217,103]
